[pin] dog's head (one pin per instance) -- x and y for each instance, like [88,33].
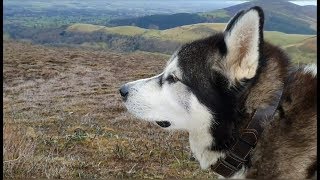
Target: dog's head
[196,88]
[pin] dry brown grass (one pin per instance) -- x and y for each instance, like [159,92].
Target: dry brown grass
[63,117]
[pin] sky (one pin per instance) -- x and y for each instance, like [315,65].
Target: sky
[303,3]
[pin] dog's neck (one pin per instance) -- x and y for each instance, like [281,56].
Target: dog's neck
[257,95]
[271,77]
[200,143]
[254,94]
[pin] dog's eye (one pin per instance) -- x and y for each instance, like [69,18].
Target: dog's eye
[172,78]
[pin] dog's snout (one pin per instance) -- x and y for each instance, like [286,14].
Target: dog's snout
[124,91]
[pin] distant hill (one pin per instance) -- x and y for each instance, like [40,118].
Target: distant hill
[280,16]
[283,16]
[302,48]
[131,38]
[182,34]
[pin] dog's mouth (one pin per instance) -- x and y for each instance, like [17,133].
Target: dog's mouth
[163,124]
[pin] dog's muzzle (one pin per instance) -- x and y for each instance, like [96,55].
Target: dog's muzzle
[124,92]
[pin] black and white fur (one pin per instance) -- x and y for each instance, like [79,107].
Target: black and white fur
[199,89]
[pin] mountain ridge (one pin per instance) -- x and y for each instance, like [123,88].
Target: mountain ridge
[280,16]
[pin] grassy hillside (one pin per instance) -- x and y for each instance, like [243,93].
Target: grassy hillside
[180,34]
[64,118]
[131,38]
[283,39]
[302,48]
[185,33]
[304,51]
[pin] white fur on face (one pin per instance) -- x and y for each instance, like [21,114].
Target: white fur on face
[174,103]
[170,102]
[243,47]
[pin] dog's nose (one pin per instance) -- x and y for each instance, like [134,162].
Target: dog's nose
[124,91]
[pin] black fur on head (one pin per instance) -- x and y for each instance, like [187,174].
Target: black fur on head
[212,87]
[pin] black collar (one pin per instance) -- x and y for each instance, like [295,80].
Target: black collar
[239,152]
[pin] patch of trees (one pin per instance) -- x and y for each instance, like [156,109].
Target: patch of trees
[160,21]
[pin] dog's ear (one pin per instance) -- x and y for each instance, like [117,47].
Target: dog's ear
[243,37]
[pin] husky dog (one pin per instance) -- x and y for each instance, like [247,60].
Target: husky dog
[213,88]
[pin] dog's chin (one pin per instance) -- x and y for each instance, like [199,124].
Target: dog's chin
[164,124]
